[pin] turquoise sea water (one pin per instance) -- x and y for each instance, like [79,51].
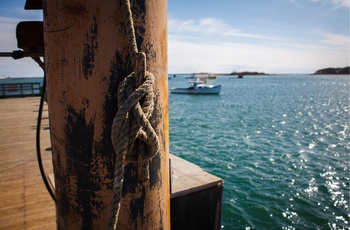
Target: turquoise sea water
[281,143]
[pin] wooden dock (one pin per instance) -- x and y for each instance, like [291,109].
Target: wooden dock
[26,204]
[24,200]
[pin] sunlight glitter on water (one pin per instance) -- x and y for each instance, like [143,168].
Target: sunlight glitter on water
[283,154]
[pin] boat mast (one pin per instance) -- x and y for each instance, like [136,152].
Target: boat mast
[86,58]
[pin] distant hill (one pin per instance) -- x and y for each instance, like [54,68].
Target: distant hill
[345,70]
[247,73]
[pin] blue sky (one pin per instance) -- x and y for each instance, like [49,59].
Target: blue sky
[272,36]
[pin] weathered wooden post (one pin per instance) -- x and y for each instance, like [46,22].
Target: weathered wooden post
[86,58]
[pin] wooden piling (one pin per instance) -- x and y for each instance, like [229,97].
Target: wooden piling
[86,57]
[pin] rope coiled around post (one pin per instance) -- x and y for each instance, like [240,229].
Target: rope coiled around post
[131,122]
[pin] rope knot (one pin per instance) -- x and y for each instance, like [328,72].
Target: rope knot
[131,123]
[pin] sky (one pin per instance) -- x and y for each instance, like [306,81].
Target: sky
[224,36]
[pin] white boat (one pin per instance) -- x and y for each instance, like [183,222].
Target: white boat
[199,86]
[202,76]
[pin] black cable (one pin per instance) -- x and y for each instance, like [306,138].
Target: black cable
[38,151]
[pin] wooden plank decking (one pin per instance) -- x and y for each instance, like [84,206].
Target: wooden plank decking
[189,178]
[24,200]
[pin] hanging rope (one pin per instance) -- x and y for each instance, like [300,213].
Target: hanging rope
[131,122]
[130,31]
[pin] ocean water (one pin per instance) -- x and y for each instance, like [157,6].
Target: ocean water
[6,91]
[281,143]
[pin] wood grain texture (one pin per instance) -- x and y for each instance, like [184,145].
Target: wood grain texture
[24,200]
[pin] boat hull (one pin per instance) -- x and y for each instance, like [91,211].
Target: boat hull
[200,90]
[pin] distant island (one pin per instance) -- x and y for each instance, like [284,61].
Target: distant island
[240,74]
[345,70]
[246,73]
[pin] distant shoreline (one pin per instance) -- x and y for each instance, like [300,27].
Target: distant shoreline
[325,71]
[266,74]
[333,71]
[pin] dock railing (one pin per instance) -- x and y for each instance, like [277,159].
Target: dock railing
[19,89]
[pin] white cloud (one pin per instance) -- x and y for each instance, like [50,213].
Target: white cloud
[335,3]
[211,26]
[336,40]
[205,26]
[344,3]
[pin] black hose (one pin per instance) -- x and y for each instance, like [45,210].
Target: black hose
[38,151]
